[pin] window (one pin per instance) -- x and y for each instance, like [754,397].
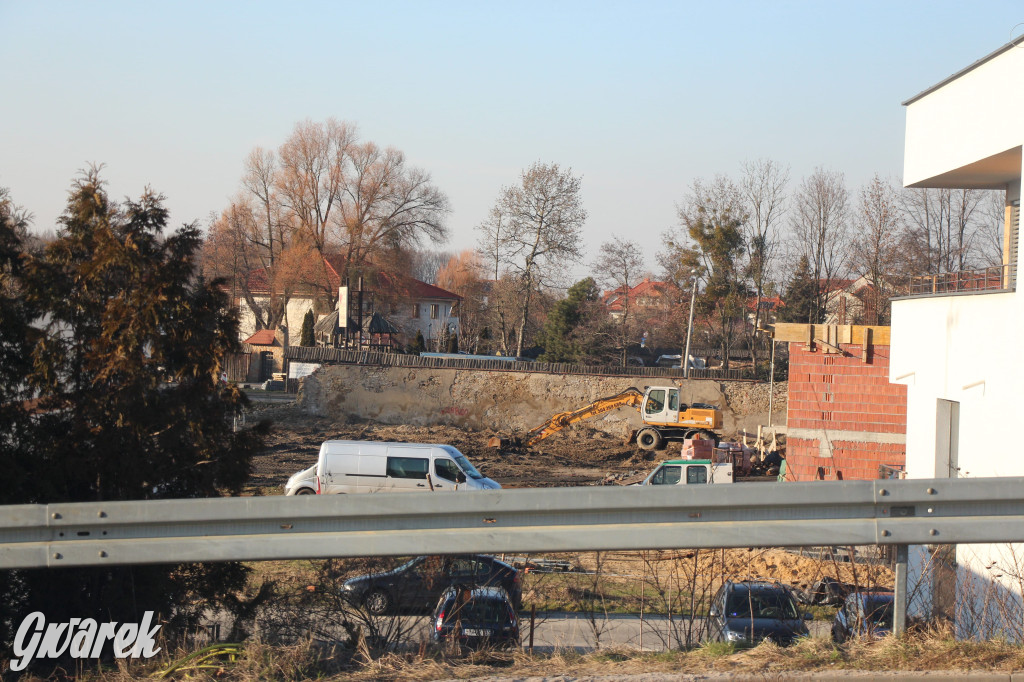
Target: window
[407,467]
[666,475]
[415,311]
[468,568]
[434,310]
[695,474]
[673,399]
[446,469]
[655,402]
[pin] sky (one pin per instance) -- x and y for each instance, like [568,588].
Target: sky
[638,98]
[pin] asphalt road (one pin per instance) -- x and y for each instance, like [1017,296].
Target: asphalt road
[559,631]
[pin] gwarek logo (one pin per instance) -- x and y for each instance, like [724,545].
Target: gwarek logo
[82,638]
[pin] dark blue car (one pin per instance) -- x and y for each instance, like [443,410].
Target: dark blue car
[747,612]
[867,613]
[476,617]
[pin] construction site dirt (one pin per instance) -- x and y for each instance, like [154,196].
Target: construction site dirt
[576,456]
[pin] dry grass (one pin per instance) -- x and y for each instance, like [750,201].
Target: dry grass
[923,651]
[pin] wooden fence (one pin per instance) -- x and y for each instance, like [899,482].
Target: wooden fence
[337,356]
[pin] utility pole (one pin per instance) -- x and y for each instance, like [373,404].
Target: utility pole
[689,326]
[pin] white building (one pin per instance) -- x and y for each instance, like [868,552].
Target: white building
[955,337]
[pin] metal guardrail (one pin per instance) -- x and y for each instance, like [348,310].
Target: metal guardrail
[912,511]
[341,356]
[996,278]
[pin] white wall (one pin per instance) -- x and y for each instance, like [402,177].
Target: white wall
[966,120]
[296,310]
[961,348]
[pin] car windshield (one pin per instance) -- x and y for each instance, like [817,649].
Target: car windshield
[463,463]
[757,604]
[878,611]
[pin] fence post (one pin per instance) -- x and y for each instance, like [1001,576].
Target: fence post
[899,616]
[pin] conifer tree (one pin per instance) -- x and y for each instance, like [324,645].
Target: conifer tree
[306,339]
[118,309]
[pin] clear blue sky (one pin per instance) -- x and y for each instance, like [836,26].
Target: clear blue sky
[640,98]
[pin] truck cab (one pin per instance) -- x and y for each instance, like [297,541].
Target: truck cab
[689,472]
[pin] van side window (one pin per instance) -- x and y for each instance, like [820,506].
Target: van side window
[696,474]
[407,467]
[446,469]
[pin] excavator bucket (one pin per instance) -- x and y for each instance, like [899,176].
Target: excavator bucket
[497,442]
[631,438]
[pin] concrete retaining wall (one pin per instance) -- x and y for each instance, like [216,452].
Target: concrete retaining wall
[509,402]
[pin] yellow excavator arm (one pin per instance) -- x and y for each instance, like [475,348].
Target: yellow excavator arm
[631,397]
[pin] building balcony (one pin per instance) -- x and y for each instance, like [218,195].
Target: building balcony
[996,279]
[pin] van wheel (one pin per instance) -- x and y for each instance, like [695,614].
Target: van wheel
[305,491]
[649,439]
[378,602]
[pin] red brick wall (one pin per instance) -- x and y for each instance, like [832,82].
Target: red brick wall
[841,393]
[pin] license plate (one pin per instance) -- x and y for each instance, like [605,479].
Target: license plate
[477,632]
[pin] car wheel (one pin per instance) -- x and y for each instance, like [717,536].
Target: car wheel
[378,602]
[648,439]
[305,491]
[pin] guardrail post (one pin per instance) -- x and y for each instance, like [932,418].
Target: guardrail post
[899,614]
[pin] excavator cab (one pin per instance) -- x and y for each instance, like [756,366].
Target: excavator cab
[661,406]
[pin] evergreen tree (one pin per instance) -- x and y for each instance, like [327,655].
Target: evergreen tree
[800,296]
[453,343]
[119,308]
[560,342]
[307,330]
[419,345]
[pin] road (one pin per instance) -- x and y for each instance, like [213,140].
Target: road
[557,631]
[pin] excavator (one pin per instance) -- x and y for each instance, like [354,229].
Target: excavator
[665,418]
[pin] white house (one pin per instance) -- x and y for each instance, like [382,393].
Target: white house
[411,305]
[956,336]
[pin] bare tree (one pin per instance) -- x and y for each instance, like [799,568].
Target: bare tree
[461,275]
[540,221]
[764,187]
[943,224]
[386,205]
[620,264]
[991,224]
[821,229]
[313,161]
[712,246]
[877,248]
[426,265]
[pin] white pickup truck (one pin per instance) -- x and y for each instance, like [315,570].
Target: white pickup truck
[689,472]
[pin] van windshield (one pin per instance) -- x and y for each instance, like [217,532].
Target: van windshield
[463,463]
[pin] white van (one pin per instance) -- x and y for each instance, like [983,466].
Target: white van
[359,466]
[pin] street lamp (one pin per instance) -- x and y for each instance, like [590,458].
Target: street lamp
[771,373]
[689,326]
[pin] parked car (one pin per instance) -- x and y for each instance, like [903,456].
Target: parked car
[302,483]
[476,617]
[867,613]
[419,582]
[357,466]
[746,612]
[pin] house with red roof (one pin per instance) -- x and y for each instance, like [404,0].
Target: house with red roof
[648,294]
[401,304]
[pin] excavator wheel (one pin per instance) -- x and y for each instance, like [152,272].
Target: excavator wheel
[649,439]
[709,435]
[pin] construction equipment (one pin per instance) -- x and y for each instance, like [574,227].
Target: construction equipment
[665,418]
